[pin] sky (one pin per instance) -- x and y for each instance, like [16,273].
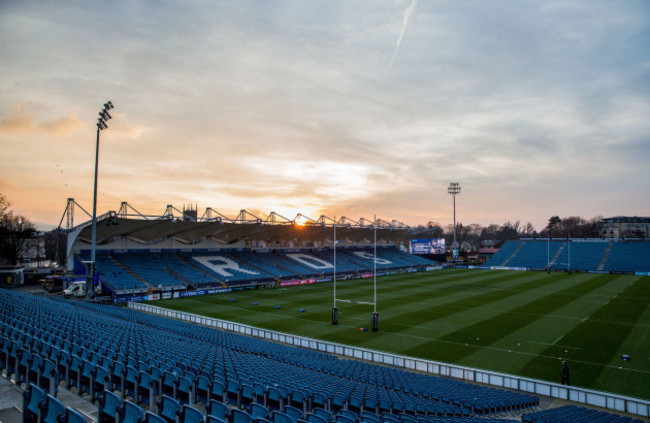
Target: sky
[336,107]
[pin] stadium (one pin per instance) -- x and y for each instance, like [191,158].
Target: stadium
[216,319]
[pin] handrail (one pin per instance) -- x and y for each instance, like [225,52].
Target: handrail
[595,398]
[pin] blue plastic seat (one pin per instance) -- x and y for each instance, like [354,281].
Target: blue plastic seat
[168,386]
[130,382]
[100,381]
[240,416]
[202,389]
[190,414]
[213,419]
[86,378]
[51,410]
[218,390]
[185,390]
[321,412]
[32,398]
[108,409]
[49,377]
[298,399]
[246,396]
[13,358]
[349,414]
[117,376]
[63,366]
[74,371]
[338,402]
[35,369]
[258,411]
[130,413]
[343,419]
[5,345]
[293,412]
[315,418]
[72,416]
[218,409]
[273,400]
[232,392]
[23,366]
[278,417]
[168,408]
[145,389]
[150,417]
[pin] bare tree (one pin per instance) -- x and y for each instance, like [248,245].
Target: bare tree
[15,231]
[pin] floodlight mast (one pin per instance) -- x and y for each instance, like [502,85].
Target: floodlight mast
[374,319]
[454,189]
[101,125]
[335,310]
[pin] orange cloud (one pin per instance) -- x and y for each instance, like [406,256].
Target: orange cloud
[20,123]
[61,126]
[23,122]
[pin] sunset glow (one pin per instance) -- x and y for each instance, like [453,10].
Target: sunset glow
[536,108]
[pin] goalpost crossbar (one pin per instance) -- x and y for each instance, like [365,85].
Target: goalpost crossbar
[354,302]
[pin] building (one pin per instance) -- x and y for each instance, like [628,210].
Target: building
[625,227]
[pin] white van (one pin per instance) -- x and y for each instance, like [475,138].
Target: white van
[76,289]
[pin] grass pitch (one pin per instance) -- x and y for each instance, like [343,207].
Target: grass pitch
[522,323]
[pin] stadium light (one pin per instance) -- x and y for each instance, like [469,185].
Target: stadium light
[374,319]
[454,189]
[101,125]
[335,310]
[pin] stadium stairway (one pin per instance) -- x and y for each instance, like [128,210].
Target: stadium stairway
[603,261]
[557,254]
[131,272]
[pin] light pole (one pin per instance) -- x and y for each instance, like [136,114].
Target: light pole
[454,189]
[335,310]
[101,125]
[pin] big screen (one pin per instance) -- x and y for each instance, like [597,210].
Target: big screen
[428,246]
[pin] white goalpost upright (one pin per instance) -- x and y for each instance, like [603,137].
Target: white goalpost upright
[335,310]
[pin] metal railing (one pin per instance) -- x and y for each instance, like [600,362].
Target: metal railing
[605,400]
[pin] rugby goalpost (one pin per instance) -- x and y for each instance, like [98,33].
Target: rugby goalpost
[335,311]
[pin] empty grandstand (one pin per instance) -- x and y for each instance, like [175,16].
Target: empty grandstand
[590,255]
[139,366]
[164,254]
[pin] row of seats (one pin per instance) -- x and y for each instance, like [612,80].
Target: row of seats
[41,407]
[170,271]
[97,348]
[611,256]
[628,257]
[129,361]
[575,414]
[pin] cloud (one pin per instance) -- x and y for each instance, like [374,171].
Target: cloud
[407,16]
[62,126]
[278,103]
[21,122]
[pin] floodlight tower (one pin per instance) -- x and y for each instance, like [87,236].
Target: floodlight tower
[101,125]
[454,189]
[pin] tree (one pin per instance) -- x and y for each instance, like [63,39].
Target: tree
[528,230]
[4,204]
[552,223]
[435,229]
[15,231]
